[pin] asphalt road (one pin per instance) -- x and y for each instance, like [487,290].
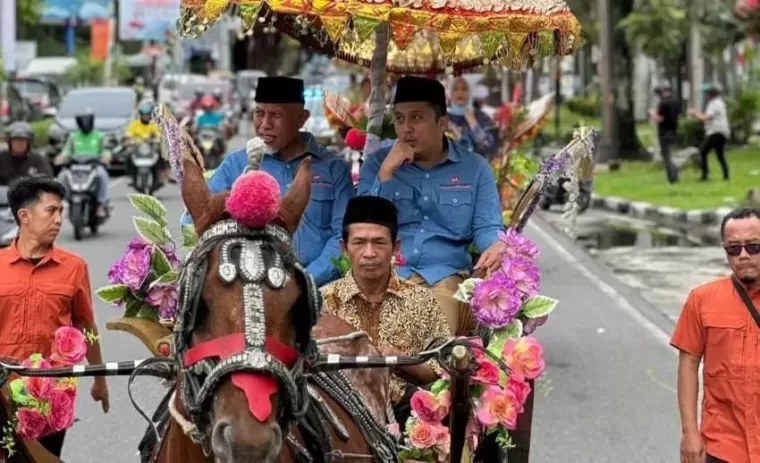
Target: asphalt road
[608,394]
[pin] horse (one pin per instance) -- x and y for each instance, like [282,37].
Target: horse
[243,340]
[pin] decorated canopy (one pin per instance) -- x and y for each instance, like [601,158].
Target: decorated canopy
[459,33]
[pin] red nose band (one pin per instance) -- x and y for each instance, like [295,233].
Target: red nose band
[258,388]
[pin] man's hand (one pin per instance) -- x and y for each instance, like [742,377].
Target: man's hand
[400,154]
[692,448]
[99,393]
[491,259]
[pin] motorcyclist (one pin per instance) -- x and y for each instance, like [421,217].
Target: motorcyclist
[140,130]
[19,160]
[87,141]
[218,96]
[139,87]
[210,116]
[195,105]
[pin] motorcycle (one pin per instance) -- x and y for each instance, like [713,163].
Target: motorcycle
[558,194]
[8,226]
[80,179]
[145,176]
[209,140]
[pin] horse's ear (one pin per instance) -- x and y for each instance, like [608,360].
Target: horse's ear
[297,198]
[195,193]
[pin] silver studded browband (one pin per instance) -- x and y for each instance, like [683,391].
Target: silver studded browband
[254,271]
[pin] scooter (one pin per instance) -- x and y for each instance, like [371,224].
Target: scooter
[145,176]
[558,194]
[8,226]
[81,181]
[210,142]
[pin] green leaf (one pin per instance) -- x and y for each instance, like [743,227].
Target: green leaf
[112,294]
[512,331]
[133,306]
[167,278]
[146,311]
[538,306]
[464,292]
[152,231]
[439,386]
[18,392]
[160,264]
[342,263]
[189,237]
[151,207]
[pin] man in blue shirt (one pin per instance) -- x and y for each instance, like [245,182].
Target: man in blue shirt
[446,197]
[278,117]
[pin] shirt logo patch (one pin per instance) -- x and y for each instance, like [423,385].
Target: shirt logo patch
[455,180]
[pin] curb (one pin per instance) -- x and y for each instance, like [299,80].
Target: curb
[659,213]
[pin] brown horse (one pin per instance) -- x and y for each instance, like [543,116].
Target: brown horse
[243,340]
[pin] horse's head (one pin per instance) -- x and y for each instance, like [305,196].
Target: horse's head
[247,309]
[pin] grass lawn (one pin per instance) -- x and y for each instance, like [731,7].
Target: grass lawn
[644,181]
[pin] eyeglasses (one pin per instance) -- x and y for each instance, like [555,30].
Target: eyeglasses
[736,249]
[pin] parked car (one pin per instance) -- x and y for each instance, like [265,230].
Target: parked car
[14,107]
[113,108]
[42,92]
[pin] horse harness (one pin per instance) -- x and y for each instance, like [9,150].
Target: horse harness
[257,257]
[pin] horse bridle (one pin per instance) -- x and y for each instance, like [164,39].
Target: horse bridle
[200,379]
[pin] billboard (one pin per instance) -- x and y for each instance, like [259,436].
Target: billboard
[147,19]
[84,11]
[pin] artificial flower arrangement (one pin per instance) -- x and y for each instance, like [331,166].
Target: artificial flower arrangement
[508,304]
[144,280]
[43,406]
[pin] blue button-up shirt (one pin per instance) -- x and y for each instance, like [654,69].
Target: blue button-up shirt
[317,240]
[441,210]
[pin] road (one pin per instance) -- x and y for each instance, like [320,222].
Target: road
[608,393]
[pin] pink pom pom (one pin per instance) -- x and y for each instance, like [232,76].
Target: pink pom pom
[254,200]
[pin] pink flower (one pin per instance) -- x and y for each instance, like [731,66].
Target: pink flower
[164,298]
[69,386]
[525,275]
[69,346]
[33,362]
[427,435]
[498,406]
[525,357]
[135,266]
[442,442]
[430,408]
[518,245]
[496,301]
[521,390]
[473,431]
[61,414]
[38,387]
[487,372]
[400,259]
[31,423]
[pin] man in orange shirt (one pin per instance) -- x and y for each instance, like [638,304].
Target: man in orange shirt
[720,322]
[43,287]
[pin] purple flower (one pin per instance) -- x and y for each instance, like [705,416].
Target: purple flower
[496,301]
[518,245]
[171,255]
[138,244]
[524,273]
[115,273]
[530,325]
[163,298]
[135,267]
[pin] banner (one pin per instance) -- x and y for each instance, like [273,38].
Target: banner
[100,39]
[82,11]
[147,19]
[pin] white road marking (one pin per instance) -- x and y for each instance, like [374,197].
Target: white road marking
[661,336]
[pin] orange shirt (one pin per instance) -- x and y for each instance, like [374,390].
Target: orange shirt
[715,324]
[35,300]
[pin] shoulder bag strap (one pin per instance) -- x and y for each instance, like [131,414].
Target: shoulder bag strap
[746,299]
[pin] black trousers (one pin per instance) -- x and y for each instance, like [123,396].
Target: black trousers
[54,443]
[712,459]
[717,142]
[666,140]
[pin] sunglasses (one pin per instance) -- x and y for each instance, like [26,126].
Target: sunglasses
[736,249]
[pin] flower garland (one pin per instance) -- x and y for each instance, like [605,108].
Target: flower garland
[44,406]
[508,303]
[144,280]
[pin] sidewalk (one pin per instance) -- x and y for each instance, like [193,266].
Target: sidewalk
[608,394]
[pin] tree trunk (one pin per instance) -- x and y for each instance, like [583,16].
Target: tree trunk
[629,146]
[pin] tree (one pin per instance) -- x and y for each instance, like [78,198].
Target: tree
[28,11]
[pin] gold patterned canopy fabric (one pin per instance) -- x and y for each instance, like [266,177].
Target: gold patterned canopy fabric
[426,35]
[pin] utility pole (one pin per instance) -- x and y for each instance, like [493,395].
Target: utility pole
[113,42]
[8,35]
[696,69]
[609,143]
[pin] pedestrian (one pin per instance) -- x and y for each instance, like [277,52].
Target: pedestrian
[43,286]
[720,323]
[717,129]
[666,117]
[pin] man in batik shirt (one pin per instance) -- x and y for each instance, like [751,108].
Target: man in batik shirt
[400,317]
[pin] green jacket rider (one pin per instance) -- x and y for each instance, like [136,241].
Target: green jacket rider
[89,142]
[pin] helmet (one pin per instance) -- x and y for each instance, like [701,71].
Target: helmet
[710,88]
[208,102]
[20,130]
[217,93]
[199,94]
[85,121]
[145,109]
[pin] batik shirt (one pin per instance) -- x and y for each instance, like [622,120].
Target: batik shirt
[408,317]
